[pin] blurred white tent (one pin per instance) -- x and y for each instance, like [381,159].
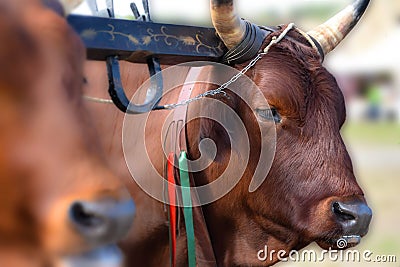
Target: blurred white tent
[383,57]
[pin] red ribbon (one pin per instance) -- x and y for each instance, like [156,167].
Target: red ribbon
[172,206]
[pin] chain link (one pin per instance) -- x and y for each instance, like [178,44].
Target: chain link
[221,88]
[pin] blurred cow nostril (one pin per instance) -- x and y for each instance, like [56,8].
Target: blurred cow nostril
[103,221]
[84,217]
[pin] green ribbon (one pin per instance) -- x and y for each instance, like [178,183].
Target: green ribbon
[187,208]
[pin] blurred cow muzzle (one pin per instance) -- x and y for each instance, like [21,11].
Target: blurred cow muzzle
[103,221]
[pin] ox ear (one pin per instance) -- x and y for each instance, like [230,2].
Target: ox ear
[70,5]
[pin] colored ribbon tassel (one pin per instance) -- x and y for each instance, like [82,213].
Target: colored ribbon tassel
[172,208]
[187,209]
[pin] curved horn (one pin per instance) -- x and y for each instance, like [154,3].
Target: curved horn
[332,32]
[227,23]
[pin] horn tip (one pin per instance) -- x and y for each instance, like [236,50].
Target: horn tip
[359,7]
[332,32]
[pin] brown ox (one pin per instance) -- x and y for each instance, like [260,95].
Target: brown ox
[58,197]
[310,193]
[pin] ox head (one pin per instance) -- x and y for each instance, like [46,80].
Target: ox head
[58,197]
[310,193]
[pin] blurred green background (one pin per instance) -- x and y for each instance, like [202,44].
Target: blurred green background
[367,67]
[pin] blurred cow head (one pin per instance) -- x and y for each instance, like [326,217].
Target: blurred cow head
[58,197]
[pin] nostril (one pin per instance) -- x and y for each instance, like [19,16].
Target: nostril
[103,221]
[342,213]
[354,216]
[83,216]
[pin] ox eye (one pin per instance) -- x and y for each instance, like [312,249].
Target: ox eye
[269,114]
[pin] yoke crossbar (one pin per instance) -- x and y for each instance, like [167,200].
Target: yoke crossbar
[136,41]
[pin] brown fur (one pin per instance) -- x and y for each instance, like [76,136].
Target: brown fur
[49,155]
[311,168]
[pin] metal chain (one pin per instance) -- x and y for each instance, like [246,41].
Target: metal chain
[221,88]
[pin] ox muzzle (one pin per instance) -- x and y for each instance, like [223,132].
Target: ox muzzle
[354,216]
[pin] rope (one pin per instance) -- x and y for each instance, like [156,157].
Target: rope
[98,100]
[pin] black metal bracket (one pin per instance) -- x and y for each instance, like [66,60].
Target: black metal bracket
[136,13]
[115,87]
[141,41]
[134,40]
[117,92]
[107,13]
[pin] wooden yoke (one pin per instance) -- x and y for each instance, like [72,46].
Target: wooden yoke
[135,41]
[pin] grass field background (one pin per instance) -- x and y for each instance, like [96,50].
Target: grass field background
[375,151]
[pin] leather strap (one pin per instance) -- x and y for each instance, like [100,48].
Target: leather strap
[181,111]
[199,242]
[248,48]
[180,151]
[318,47]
